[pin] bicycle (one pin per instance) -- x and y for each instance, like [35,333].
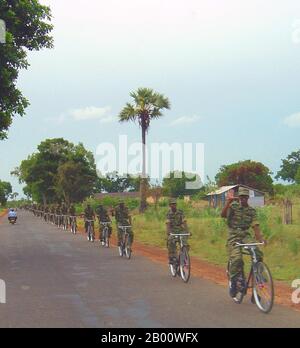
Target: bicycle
[182,265]
[259,280]
[105,233]
[125,247]
[64,220]
[73,224]
[56,220]
[90,231]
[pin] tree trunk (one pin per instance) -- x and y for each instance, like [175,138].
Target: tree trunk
[44,199]
[143,184]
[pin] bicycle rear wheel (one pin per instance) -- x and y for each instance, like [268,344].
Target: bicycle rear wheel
[127,247]
[263,288]
[184,265]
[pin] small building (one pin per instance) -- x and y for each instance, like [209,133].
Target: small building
[217,198]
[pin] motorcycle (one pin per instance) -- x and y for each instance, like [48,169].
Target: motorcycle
[12,220]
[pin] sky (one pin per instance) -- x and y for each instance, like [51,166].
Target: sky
[230,68]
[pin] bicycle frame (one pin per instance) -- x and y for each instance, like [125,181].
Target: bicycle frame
[249,250]
[124,231]
[90,227]
[180,236]
[72,222]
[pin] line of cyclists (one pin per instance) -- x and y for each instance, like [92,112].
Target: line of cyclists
[240,218]
[65,217]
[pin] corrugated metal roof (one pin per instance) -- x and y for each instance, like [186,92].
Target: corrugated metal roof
[221,190]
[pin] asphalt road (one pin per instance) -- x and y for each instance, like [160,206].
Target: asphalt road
[54,279]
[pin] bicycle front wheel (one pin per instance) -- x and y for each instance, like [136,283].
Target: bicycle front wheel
[121,250]
[106,239]
[173,270]
[263,287]
[185,265]
[74,228]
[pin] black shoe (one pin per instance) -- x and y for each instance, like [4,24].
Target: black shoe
[172,260]
[232,288]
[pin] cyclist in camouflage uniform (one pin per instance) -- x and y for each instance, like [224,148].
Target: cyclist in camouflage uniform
[58,215]
[176,223]
[71,212]
[64,212]
[103,216]
[46,212]
[89,214]
[240,217]
[123,218]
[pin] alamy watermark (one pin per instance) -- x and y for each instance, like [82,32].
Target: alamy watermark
[161,160]
[296,293]
[2,31]
[2,292]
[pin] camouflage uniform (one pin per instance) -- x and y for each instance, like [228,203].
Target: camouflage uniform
[88,215]
[71,212]
[123,219]
[239,220]
[103,216]
[58,213]
[64,211]
[46,211]
[176,221]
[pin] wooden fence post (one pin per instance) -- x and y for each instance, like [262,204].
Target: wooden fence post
[287,212]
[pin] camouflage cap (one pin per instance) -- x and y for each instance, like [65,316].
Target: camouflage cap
[172,201]
[243,191]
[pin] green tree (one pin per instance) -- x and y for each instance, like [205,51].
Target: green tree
[175,184]
[147,105]
[114,182]
[289,167]
[75,181]
[45,172]
[250,173]
[5,191]
[28,28]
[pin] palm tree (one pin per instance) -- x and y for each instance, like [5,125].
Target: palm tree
[147,105]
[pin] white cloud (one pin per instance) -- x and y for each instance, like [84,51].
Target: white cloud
[185,120]
[92,113]
[293,120]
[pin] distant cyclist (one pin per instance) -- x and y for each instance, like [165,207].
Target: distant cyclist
[103,216]
[71,212]
[123,218]
[89,215]
[176,224]
[12,215]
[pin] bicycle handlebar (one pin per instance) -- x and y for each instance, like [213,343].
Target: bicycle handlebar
[179,234]
[249,244]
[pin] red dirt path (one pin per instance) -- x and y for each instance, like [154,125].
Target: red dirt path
[209,271]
